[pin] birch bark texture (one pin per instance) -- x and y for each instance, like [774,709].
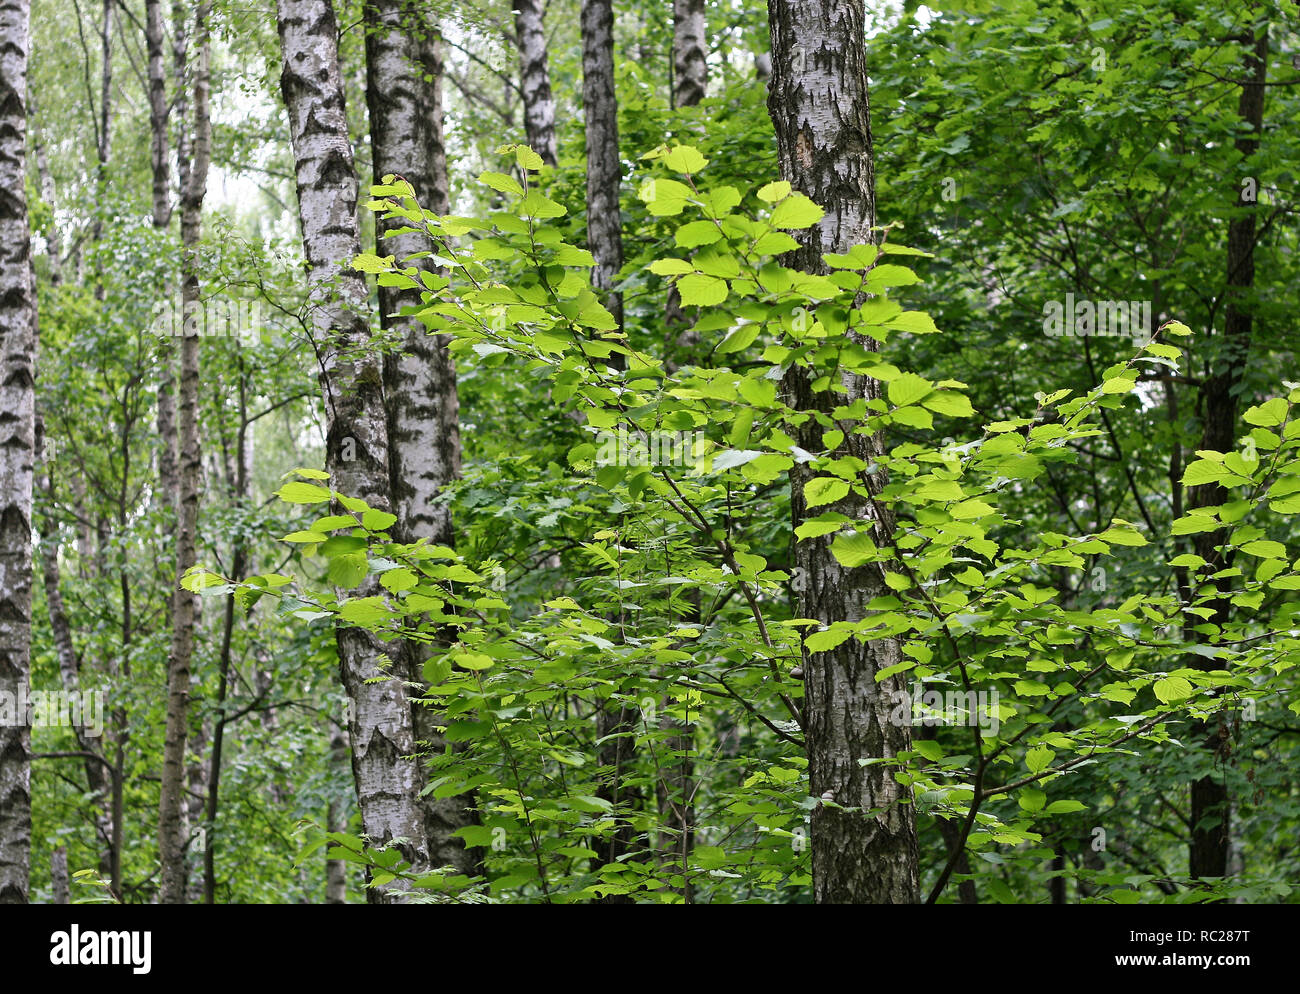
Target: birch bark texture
[690,62]
[159,116]
[172,842]
[535,79]
[17,453]
[864,845]
[604,167]
[387,777]
[403,89]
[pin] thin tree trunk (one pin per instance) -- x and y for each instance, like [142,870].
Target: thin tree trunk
[17,450]
[615,724]
[1208,853]
[238,566]
[818,104]
[53,238]
[171,836]
[690,51]
[336,876]
[195,826]
[403,86]
[97,772]
[159,115]
[604,167]
[59,875]
[952,837]
[535,79]
[690,82]
[430,53]
[180,72]
[387,777]
[104,145]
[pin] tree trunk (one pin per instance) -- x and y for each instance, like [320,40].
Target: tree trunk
[864,849]
[420,383]
[336,875]
[429,41]
[1208,853]
[238,566]
[53,238]
[535,79]
[180,110]
[388,779]
[615,724]
[97,771]
[604,167]
[690,52]
[159,114]
[17,451]
[59,874]
[171,835]
[104,123]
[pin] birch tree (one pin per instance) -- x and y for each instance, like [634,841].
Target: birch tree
[171,824]
[419,382]
[690,65]
[604,167]
[864,846]
[388,778]
[17,452]
[535,78]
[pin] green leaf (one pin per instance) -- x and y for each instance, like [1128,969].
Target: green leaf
[1268,414]
[773,192]
[796,211]
[1204,471]
[398,579]
[908,389]
[824,490]
[1065,807]
[303,493]
[949,403]
[697,233]
[1031,799]
[671,267]
[378,521]
[348,570]
[1039,758]
[685,159]
[698,290]
[853,548]
[369,263]
[1172,688]
[827,640]
[915,322]
[928,748]
[1124,535]
[311,536]
[502,182]
[1265,549]
[365,611]
[741,338]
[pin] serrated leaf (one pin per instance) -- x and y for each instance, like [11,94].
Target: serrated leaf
[796,211]
[824,490]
